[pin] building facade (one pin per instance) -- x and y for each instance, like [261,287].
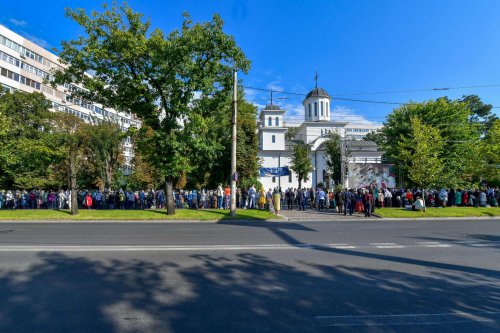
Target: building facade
[275,149]
[24,65]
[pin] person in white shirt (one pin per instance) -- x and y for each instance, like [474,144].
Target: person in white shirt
[418,204]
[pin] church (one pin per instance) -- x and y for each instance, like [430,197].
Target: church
[275,149]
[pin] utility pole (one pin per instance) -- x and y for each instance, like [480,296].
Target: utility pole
[233,144]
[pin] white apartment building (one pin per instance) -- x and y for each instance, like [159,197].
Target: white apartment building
[24,65]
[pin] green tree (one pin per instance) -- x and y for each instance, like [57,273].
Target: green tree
[490,151]
[70,134]
[377,137]
[459,136]
[105,150]
[480,113]
[300,163]
[334,157]
[420,152]
[27,154]
[154,76]
[215,170]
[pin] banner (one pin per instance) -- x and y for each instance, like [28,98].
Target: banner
[273,172]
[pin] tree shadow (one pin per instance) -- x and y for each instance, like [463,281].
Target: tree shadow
[230,293]
[471,241]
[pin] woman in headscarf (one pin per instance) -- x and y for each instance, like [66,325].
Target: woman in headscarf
[262,198]
[276,201]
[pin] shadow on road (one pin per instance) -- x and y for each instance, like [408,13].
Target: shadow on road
[232,293]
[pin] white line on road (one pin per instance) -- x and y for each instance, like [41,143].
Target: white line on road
[228,247]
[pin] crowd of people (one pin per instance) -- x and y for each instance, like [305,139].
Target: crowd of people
[362,201]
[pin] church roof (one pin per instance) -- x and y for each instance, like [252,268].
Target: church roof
[272,107]
[318,92]
[360,143]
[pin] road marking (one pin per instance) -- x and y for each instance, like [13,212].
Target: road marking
[408,319]
[341,246]
[228,247]
[387,245]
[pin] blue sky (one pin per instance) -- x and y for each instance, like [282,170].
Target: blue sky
[359,48]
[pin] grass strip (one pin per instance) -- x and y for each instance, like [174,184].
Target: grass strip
[124,215]
[439,212]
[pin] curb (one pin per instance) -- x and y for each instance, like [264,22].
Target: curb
[142,221]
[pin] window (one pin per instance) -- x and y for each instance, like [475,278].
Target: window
[321,132]
[327,109]
[274,179]
[270,122]
[315,109]
[277,121]
[310,114]
[321,109]
[290,177]
[273,139]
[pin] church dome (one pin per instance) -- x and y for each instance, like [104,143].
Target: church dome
[318,92]
[272,107]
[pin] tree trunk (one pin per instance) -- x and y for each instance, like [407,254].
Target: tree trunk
[72,184]
[109,176]
[169,195]
[300,182]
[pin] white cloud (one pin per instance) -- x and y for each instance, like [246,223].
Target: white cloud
[343,113]
[18,23]
[275,86]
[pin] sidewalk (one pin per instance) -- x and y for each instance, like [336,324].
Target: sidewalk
[320,215]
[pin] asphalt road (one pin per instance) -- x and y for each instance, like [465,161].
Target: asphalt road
[369,276]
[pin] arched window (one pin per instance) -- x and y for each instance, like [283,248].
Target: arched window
[321,109]
[277,121]
[273,139]
[315,109]
[310,114]
[321,132]
[327,109]
[270,122]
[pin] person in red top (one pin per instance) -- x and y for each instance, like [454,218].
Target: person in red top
[368,201]
[227,194]
[409,197]
[88,201]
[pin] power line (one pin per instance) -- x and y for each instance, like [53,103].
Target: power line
[373,93]
[336,98]
[420,90]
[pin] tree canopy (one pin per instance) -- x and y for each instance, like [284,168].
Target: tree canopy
[154,76]
[459,126]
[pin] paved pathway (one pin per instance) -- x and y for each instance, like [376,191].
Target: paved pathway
[319,215]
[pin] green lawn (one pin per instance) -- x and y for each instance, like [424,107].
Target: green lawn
[120,215]
[438,212]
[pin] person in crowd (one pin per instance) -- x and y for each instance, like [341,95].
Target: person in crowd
[301,199]
[252,193]
[269,200]
[368,202]
[321,199]
[220,196]
[418,204]
[358,198]
[482,199]
[276,201]
[340,201]
[458,198]
[88,201]
[244,198]
[262,198]
[443,197]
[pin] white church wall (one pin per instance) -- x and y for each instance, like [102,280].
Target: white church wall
[268,144]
